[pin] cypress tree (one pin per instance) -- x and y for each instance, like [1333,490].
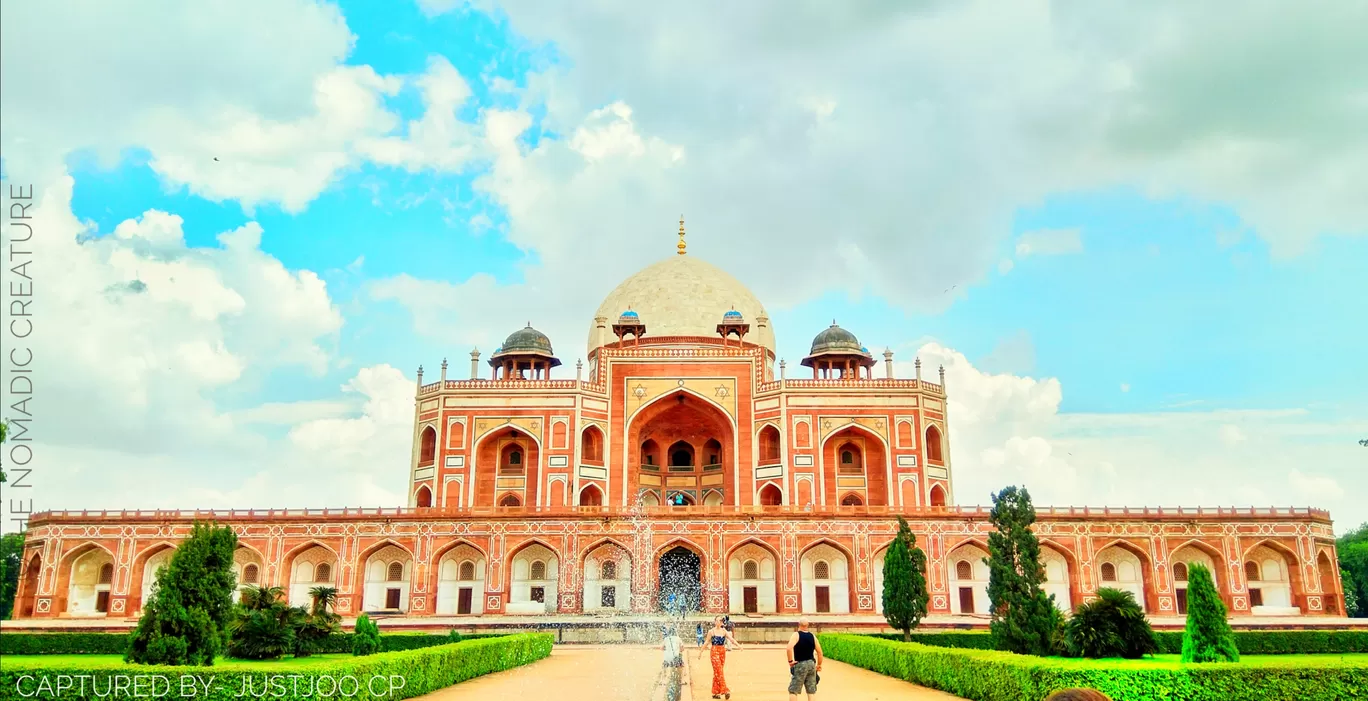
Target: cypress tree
[366,638]
[1207,637]
[185,620]
[904,580]
[1024,618]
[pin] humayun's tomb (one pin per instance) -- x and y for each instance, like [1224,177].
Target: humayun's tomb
[681,463]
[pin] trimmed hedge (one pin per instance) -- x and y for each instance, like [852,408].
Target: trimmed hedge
[117,643]
[387,675]
[986,675]
[1249,642]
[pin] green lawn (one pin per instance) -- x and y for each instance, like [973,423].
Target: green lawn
[1317,660]
[107,661]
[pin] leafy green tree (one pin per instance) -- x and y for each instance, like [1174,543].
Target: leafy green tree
[1024,617]
[263,625]
[11,561]
[1112,625]
[319,623]
[904,582]
[185,619]
[1353,564]
[366,638]
[1207,637]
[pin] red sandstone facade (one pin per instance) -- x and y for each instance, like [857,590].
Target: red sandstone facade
[681,464]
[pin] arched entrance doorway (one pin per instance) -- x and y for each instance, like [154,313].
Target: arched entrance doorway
[681,580]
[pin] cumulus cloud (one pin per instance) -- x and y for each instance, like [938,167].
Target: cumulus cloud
[1009,429]
[144,344]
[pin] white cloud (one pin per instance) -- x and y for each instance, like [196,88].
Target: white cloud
[1008,429]
[1125,387]
[1049,242]
[143,339]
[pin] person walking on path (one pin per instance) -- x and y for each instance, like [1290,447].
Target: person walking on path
[805,661]
[671,663]
[718,639]
[700,634]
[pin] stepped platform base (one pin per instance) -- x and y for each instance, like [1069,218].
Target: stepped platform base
[637,628]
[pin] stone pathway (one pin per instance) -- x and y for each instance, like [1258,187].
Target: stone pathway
[628,673]
[571,673]
[760,673]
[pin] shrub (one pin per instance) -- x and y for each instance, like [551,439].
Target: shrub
[1025,619]
[1112,625]
[421,671]
[990,675]
[263,625]
[185,619]
[314,627]
[1207,637]
[12,643]
[366,638]
[904,570]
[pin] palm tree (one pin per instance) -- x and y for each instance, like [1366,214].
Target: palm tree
[323,598]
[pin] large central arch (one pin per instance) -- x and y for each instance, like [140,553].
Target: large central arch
[686,428]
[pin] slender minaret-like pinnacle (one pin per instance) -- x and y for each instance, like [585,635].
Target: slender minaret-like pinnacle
[681,246]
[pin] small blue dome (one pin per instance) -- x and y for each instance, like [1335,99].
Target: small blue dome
[864,350]
[733,314]
[629,314]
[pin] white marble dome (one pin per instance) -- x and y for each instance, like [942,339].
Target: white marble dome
[683,296]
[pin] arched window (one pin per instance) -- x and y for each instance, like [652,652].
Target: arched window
[323,573]
[679,499]
[933,444]
[106,574]
[821,570]
[1252,571]
[591,445]
[511,459]
[467,572]
[771,496]
[964,570]
[937,496]
[750,570]
[851,500]
[538,570]
[850,458]
[609,570]
[591,496]
[424,497]
[427,452]
[1179,572]
[395,572]
[1108,572]
[681,455]
[712,450]
[510,500]
[802,434]
[250,574]
[769,445]
[649,454]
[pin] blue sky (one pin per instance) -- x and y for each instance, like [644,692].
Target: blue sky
[957,211]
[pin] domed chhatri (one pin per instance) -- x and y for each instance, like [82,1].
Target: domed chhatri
[525,350]
[733,323]
[837,353]
[629,324]
[835,339]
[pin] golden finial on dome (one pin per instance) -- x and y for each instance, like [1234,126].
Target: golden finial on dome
[681,245]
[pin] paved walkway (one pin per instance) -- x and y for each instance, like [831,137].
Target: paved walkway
[760,673]
[628,673]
